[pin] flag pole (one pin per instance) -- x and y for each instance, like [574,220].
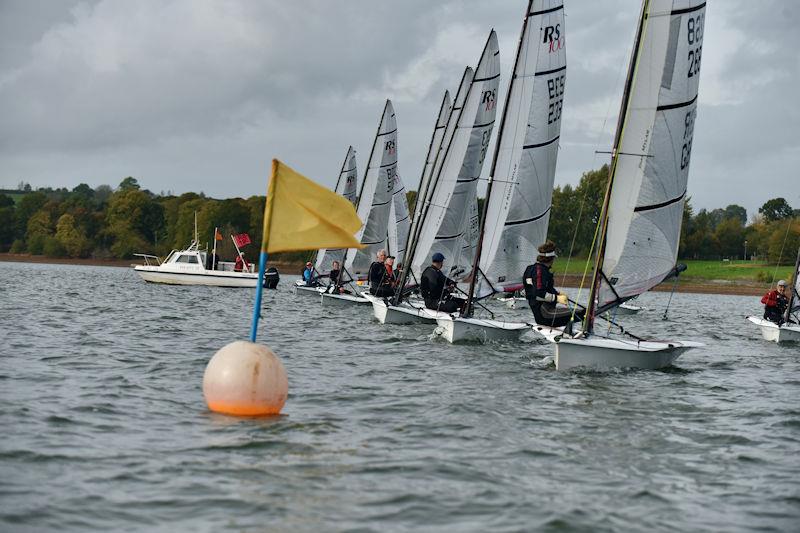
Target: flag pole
[262,258]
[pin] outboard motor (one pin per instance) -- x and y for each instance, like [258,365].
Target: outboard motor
[271,278]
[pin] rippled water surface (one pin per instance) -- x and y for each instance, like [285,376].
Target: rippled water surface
[105,427]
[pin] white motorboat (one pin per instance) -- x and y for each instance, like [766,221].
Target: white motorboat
[640,220]
[600,353]
[775,333]
[458,329]
[188,267]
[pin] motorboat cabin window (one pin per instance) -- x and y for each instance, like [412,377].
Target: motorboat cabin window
[187,259]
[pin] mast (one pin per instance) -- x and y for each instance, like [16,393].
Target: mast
[468,309]
[416,226]
[322,251]
[794,287]
[623,115]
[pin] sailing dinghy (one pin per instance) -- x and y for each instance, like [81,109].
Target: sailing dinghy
[641,217]
[346,186]
[788,331]
[520,188]
[447,209]
[375,207]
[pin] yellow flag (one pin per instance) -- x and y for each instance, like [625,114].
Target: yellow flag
[301,215]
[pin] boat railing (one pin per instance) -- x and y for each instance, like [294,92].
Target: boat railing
[148,258]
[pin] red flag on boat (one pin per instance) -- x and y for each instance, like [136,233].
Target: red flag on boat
[241,239]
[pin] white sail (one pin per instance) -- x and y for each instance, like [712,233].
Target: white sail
[424,190]
[399,221]
[524,166]
[374,202]
[456,177]
[346,186]
[651,165]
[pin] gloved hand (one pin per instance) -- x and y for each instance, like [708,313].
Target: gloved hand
[562,299]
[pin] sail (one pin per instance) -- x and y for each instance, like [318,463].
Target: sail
[424,190]
[374,202]
[456,177]
[524,167]
[346,186]
[399,220]
[651,165]
[794,295]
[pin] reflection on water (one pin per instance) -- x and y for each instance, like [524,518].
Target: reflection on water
[384,429]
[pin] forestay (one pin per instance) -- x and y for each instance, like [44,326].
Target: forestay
[374,203]
[346,186]
[651,164]
[524,166]
[447,226]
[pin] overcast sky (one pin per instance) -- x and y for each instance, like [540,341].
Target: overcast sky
[192,95]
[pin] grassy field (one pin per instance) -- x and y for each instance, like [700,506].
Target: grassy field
[741,271]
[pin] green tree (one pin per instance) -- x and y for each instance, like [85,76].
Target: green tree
[736,211]
[71,237]
[128,184]
[775,209]
[7,222]
[730,236]
[133,219]
[784,241]
[27,206]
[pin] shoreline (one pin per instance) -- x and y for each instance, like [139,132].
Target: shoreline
[688,285]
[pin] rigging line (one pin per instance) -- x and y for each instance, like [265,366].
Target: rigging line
[780,255]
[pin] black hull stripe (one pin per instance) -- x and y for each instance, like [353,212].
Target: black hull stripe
[518,222]
[676,106]
[688,9]
[485,79]
[546,72]
[387,133]
[539,145]
[534,13]
[659,206]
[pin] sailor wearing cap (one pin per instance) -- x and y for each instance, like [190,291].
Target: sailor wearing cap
[775,303]
[436,288]
[541,293]
[308,275]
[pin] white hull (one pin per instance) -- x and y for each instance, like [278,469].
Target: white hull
[774,333]
[213,278]
[342,300]
[302,290]
[548,333]
[479,329]
[599,353]
[403,314]
[626,309]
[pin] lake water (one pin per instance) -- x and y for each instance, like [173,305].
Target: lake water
[105,427]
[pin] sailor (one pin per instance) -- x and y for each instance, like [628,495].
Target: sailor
[240,263]
[334,274]
[436,288]
[379,284]
[391,273]
[540,292]
[308,275]
[775,303]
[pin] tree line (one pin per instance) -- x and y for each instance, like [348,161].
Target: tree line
[107,223]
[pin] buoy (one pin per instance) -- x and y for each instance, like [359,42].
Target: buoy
[245,379]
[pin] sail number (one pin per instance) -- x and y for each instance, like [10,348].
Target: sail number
[555,90]
[485,136]
[688,133]
[694,34]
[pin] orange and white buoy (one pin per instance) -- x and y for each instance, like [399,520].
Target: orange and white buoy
[245,379]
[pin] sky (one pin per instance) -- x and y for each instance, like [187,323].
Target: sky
[196,95]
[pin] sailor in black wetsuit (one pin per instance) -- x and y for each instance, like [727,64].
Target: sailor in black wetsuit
[540,292]
[379,283]
[435,288]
